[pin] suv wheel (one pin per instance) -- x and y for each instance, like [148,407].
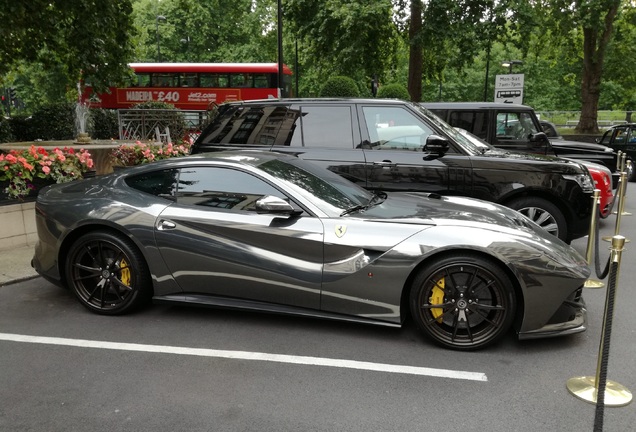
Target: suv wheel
[543,213]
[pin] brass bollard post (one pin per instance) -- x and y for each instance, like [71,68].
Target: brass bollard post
[624,163]
[621,207]
[591,238]
[598,389]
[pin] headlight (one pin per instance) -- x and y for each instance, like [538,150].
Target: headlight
[584,180]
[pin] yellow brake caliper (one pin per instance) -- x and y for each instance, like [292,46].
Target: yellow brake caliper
[124,272]
[437,297]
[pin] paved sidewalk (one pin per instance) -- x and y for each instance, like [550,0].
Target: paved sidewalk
[15,265]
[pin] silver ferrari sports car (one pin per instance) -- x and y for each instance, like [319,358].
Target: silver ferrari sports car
[262,231]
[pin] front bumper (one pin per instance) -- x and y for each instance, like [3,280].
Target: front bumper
[570,318]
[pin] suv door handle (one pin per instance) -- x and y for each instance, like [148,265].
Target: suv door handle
[384,164]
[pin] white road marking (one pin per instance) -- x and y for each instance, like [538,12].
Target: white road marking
[247,355]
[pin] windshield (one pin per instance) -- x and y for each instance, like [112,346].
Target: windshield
[331,192]
[466,143]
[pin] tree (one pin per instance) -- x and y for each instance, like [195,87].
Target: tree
[587,26]
[354,38]
[90,38]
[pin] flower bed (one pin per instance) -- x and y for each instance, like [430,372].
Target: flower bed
[140,153]
[23,172]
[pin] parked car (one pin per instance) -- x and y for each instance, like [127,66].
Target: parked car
[394,145]
[550,129]
[262,231]
[623,138]
[603,182]
[600,174]
[516,127]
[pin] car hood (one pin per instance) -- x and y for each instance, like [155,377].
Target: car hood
[434,209]
[578,145]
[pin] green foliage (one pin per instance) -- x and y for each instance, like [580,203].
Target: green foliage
[54,122]
[90,38]
[21,129]
[354,38]
[393,91]
[340,86]
[5,131]
[105,124]
[49,122]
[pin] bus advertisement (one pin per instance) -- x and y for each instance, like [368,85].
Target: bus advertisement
[193,86]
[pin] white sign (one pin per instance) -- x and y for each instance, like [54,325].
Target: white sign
[509,88]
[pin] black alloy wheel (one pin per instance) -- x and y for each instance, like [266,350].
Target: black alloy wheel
[463,303]
[107,273]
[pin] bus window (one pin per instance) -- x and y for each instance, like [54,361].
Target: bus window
[143,80]
[188,80]
[240,80]
[209,80]
[260,81]
[165,80]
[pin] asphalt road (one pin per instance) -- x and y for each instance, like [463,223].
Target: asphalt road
[170,368]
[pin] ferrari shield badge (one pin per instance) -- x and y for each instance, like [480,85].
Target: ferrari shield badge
[340,230]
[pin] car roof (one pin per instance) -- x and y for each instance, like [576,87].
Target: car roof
[474,105]
[318,100]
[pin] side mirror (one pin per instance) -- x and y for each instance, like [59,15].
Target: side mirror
[436,145]
[538,137]
[272,204]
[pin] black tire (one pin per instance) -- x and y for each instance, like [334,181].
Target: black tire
[474,308]
[631,173]
[107,273]
[543,213]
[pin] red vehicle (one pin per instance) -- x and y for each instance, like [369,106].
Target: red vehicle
[194,86]
[602,181]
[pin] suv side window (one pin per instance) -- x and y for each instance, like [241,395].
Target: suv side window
[475,122]
[323,126]
[515,125]
[394,128]
[253,125]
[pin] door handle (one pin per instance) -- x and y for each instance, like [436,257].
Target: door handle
[384,164]
[165,225]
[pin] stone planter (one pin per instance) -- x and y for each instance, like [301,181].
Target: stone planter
[18,225]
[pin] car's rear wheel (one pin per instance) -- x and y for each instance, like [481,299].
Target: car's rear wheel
[107,273]
[543,213]
[631,172]
[463,303]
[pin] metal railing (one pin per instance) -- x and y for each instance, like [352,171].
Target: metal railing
[152,124]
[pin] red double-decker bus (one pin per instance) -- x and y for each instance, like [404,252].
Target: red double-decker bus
[194,86]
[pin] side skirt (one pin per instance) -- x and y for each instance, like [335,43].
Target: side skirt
[255,306]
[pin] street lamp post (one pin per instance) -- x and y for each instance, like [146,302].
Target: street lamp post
[159,18]
[510,63]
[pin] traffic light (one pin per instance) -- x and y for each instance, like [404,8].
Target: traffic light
[12,94]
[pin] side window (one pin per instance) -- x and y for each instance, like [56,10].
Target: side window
[632,135]
[254,125]
[620,136]
[222,188]
[162,183]
[394,128]
[515,125]
[475,122]
[323,126]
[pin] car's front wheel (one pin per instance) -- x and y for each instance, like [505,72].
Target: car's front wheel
[543,213]
[107,273]
[463,303]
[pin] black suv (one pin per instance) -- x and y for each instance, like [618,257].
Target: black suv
[516,127]
[395,145]
[623,138]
